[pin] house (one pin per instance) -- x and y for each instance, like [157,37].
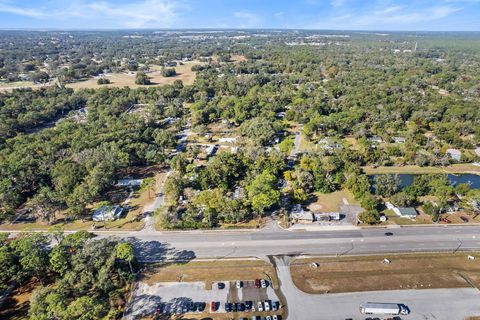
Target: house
[454,154]
[107,213]
[328,144]
[399,139]
[128,182]
[409,212]
[298,215]
[238,193]
[375,139]
[227,140]
[327,216]
[210,150]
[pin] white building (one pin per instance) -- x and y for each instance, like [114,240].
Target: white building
[454,154]
[107,213]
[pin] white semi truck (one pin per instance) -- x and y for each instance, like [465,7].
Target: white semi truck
[383,308]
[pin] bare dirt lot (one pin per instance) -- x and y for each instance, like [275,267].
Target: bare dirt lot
[211,271]
[184,73]
[370,273]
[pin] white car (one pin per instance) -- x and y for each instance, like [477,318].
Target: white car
[239,284]
[268,318]
[263,283]
[267,305]
[260,306]
[275,317]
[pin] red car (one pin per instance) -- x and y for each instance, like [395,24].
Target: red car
[257,283]
[213,306]
[445,220]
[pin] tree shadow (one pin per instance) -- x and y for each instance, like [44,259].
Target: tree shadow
[150,251]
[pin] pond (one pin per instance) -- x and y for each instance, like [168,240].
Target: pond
[472,179]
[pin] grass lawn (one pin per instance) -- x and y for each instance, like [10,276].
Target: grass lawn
[330,202]
[123,79]
[211,271]
[306,145]
[455,168]
[369,273]
[393,218]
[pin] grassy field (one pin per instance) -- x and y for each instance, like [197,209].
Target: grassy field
[123,79]
[454,168]
[330,202]
[211,271]
[369,273]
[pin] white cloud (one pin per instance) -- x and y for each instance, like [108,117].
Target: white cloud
[247,19]
[337,3]
[21,11]
[137,14]
[401,17]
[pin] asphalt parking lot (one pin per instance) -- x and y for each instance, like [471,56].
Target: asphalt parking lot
[174,296]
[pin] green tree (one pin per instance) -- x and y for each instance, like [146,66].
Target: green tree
[386,185]
[148,184]
[125,252]
[262,192]
[142,79]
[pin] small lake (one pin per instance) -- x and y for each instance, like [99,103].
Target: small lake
[472,179]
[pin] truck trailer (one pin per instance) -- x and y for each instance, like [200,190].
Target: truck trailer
[383,308]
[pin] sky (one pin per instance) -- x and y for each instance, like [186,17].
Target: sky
[421,15]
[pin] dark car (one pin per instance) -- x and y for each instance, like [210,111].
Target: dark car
[221,285]
[200,306]
[191,307]
[248,305]
[257,283]
[234,307]
[228,307]
[240,307]
[388,234]
[159,309]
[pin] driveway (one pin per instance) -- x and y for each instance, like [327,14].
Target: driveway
[428,304]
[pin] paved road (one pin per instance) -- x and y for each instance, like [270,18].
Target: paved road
[261,243]
[427,304]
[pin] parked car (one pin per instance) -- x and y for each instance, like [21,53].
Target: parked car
[248,305]
[275,317]
[159,309]
[268,318]
[213,306]
[240,307]
[257,283]
[221,285]
[275,305]
[191,307]
[228,307]
[200,306]
[260,306]
[263,283]
[267,305]
[239,284]
[445,220]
